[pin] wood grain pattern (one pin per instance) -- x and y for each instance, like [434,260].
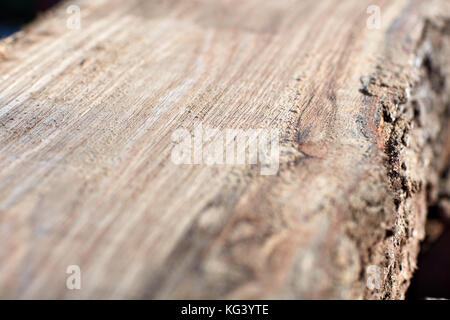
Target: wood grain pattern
[86,118]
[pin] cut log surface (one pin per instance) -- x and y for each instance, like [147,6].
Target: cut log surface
[87,123]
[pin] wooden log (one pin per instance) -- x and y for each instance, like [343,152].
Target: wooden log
[89,120]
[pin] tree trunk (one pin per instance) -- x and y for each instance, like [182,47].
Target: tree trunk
[93,172]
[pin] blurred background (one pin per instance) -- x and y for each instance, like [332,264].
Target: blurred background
[15,13]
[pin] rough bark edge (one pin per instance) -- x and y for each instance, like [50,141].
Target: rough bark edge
[413,116]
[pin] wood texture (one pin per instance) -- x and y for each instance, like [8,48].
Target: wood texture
[86,118]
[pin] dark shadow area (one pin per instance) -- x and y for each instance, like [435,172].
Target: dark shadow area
[432,278]
[15,13]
